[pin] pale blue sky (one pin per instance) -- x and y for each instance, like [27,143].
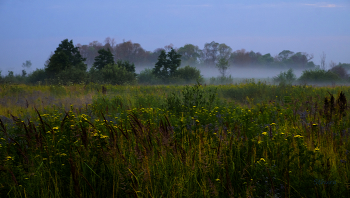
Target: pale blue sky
[30,30]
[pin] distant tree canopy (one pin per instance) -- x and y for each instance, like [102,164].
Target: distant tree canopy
[192,55]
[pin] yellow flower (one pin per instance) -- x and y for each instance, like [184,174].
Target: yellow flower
[55,128]
[8,157]
[317,149]
[262,159]
[63,154]
[273,123]
[298,136]
[264,133]
[260,141]
[217,179]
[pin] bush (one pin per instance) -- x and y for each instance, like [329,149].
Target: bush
[287,77]
[189,74]
[114,74]
[221,80]
[147,77]
[71,75]
[36,76]
[318,76]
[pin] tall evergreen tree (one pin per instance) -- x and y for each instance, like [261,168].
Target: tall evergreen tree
[66,56]
[174,61]
[104,58]
[167,64]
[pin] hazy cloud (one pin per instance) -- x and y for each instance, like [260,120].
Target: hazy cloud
[323,5]
[201,5]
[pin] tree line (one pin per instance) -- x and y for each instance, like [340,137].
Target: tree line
[192,55]
[115,64]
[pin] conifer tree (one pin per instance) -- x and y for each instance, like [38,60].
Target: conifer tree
[104,58]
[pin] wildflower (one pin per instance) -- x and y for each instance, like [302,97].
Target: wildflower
[55,128]
[314,124]
[63,154]
[217,180]
[8,157]
[259,142]
[26,178]
[273,123]
[262,159]
[317,149]
[264,133]
[298,136]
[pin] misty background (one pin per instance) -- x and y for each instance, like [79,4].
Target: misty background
[32,30]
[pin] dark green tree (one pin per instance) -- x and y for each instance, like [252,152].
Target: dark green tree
[161,67]
[130,67]
[167,64]
[174,61]
[66,56]
[104,58]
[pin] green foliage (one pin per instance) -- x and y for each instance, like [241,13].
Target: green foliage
[222,65]
[69,76]
[36,76]
[130,67]
[191,98]
[177,141]
[221,80]
[66,56]
[117,75]
[167,65]
[189,74]
[104,58]
[190,54]
[287,77]
[147,77]
[318,76]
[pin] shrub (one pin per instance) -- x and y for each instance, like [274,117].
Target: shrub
[287,77]
[36,76]
[147,77]
[221,80]
[189,74]
[114,74]
[318,76]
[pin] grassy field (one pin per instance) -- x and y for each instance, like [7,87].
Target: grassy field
[245,140]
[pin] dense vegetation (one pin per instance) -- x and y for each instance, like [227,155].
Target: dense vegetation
[246,140]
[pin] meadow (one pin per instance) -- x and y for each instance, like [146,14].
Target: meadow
[240,140]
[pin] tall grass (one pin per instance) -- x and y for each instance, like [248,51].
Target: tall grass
[246,140]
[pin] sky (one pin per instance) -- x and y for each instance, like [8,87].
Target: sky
[32,29]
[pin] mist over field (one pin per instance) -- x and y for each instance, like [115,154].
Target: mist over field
[236,72]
